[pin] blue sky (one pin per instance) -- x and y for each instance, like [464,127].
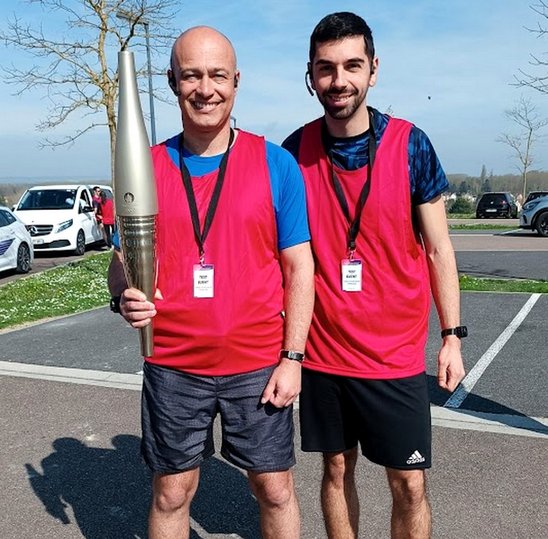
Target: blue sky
[462,54]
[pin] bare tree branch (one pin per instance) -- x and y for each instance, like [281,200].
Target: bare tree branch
[525,116]
[533,79]
[76,69]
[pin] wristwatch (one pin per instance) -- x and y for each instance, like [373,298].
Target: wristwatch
[115,304]
[291,354]
[459,331]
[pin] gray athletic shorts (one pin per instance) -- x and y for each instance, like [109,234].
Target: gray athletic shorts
[178,411]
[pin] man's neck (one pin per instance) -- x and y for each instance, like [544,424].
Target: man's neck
[207,144]
[357,124]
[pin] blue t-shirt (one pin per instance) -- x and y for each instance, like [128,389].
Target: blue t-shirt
[287,186]
[426,174]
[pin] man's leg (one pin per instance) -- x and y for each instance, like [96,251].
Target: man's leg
[411,515]
[278,506]
[169,516]
[340,504]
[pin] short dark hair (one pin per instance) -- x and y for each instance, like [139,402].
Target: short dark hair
[339,25]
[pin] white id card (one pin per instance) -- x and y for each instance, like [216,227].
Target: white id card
[203,280]
[351,273]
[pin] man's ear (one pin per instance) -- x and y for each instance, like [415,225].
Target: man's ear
[308,80]
[172,82]
[374,71]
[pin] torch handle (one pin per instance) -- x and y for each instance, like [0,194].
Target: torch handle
[138,240]
[146,340]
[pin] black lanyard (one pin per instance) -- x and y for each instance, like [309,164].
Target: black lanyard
[187,182]
[354,225]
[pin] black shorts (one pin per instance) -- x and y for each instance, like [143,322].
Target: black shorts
[178,411]
[389,418]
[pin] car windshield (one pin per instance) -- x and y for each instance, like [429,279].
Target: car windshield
[48,199]
[534,195]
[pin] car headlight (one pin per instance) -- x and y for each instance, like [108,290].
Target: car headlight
[531,205]
[64,225]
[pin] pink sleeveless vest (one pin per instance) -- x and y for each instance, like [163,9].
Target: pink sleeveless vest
[381,332]
[241,328]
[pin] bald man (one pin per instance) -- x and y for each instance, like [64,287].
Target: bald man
[234,299]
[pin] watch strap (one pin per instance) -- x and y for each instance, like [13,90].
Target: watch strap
[115,304]
[292,354]
[459,331]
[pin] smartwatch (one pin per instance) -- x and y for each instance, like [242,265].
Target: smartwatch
[115,304]
[459,331]
[291,354]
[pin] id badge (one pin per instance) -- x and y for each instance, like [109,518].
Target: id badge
[351,273]
[203,280]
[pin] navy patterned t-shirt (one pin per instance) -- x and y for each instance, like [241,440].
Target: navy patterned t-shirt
[426,174]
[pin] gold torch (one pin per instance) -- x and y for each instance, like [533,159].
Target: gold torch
[135,191]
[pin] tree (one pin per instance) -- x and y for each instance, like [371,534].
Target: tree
[463,188]
[538,82]
[76,68]
[486,186]
[525,115]
[461,206]
[483,173]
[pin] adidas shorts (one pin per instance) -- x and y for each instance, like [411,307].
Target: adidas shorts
[389,418]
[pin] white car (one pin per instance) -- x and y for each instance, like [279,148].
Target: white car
[60,217]
[16,250]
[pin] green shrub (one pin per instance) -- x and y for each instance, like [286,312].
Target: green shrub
[461,205]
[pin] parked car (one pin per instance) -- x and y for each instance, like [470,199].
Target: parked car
[60,217]
[16,250]
[496,205]
[535,194]
[534,215]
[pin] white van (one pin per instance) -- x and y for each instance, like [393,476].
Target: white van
[60,217]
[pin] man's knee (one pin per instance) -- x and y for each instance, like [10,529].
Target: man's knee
[174,492]
[274,489]
[408,487]
[339,467]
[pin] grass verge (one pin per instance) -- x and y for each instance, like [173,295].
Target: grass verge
[82,285]
[474,226]
[74,287]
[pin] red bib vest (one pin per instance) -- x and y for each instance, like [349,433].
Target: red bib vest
[240,329]
[380,332]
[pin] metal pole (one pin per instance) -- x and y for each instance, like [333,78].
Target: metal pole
[150,90]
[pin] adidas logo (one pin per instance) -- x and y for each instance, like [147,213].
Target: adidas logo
[415,458]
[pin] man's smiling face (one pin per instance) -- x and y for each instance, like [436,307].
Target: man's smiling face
[204,68]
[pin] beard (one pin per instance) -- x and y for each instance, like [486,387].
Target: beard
[337,112]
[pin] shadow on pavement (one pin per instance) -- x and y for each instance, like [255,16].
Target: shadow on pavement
[477,405]
[107,491]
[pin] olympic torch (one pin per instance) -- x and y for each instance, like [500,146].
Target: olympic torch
[135,191]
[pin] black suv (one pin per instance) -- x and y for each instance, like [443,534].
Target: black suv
[496,205]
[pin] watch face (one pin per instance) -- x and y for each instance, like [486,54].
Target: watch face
[462,332]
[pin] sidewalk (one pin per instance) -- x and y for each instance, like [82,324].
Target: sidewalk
[71,469]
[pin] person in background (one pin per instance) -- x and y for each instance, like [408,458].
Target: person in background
[96,199]
[381,245]
[106,211]
[234,299]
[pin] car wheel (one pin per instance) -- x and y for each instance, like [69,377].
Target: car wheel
[542,224]
[23,259]
[80,243]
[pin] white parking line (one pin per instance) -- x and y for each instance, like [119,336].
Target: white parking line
[516,425]
[470,380]
[115,380]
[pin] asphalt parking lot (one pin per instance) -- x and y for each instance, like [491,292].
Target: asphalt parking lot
[69,394]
